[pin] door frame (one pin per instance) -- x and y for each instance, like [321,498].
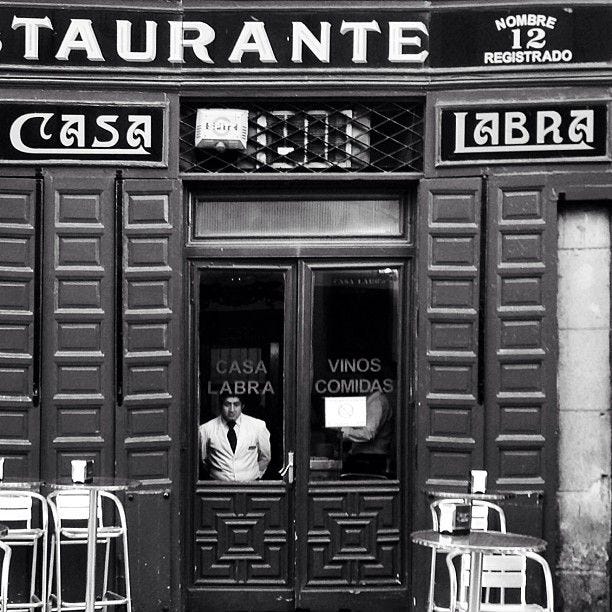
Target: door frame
[318,253]
[297,356]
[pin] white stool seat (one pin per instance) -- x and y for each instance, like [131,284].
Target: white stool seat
[27,535]
[80,533]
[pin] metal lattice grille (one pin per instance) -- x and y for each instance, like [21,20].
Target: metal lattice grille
[313,137]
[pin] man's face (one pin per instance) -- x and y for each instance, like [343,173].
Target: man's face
[231,408]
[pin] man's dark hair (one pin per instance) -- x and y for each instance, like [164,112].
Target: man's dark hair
[226,396]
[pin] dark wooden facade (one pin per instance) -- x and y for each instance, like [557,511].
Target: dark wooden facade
[98,286]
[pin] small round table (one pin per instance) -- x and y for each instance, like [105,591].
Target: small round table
[491,496]
[476,544]
[20,484]
[96,485]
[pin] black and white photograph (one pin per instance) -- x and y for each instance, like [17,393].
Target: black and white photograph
[305,306]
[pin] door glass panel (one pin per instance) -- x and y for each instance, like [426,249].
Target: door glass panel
[241,354]
[355,364]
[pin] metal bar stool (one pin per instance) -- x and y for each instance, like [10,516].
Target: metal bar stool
[29,531]
[504,573]
[479,522]
[70,509]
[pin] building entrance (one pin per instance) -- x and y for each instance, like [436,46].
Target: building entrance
[310,506]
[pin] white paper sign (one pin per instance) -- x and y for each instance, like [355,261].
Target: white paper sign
[225,127]
[345,411]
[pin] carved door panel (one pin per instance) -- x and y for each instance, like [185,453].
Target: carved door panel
[316,352]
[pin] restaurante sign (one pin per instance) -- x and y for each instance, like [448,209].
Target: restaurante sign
[221,39]
[102,38]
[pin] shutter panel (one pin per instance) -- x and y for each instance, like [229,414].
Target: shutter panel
[78,402]
[152,549]
[521,343]
[148,421]
[19,414]
[449,420]
[152,260]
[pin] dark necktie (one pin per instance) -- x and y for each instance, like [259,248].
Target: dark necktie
[231,435]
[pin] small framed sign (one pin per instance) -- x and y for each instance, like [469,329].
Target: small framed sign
[345,411]
[522,133]
[83,133]
[520,37]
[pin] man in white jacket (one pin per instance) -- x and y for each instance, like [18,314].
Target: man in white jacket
[235,446]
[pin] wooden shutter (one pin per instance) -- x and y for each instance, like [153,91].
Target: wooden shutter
[78,402]
[521,345]
[449,420]
[19,411]
[153,364]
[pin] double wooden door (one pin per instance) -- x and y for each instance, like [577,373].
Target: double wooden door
[316,350]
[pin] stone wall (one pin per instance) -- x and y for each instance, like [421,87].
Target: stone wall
[582,574]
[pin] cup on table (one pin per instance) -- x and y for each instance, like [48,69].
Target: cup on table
[82,470]
[479,481]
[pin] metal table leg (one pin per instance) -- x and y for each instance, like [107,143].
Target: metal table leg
[475,594]
[92,537]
